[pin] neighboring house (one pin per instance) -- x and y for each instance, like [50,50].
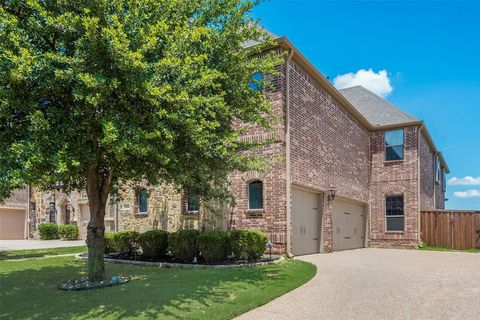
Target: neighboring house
[345,169]
[14,215]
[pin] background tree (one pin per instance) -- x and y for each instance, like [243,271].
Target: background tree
[97,93]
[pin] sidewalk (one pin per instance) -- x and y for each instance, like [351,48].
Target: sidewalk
[9,245]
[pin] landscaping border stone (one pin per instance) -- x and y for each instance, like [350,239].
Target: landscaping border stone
[276,260]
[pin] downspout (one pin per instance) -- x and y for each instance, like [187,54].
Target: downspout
[28,223]
[287,158]
[419,185]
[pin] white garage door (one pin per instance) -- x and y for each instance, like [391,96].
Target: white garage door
[12,224]
[305,220]
[348,225]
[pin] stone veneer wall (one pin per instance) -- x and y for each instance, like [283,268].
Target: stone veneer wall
[394,178]
[329,147]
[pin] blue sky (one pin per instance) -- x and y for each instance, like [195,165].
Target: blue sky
[430,51]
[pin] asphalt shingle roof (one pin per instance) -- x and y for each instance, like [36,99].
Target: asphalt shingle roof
[378,111]
[251,43]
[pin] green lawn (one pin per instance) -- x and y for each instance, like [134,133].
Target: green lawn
[24,254]
[28,290]
[428,248]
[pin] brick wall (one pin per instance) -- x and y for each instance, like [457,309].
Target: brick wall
[272,218]
[394,178]
[427,175]
[329,147]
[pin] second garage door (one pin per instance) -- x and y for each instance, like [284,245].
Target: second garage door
[348,225]
[12,224]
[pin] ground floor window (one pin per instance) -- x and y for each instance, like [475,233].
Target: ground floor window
[395,218]
[142,200]
[255,195]
[193,202]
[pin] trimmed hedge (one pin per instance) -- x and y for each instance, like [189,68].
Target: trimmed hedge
[214,245]
[48,231]
[109,242]
[184,244]
[68,231]
[125,241]
[154,243]
[248,244]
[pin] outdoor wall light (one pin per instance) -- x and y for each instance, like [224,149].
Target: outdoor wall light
[331,193]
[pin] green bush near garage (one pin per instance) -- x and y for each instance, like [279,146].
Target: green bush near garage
[68,231]
[248,244]
[48,231]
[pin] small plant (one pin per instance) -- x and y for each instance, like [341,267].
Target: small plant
[154,243]
[48,231]
[214,245]
[109,242]
[68,231]
[248,244]
[125,241]
[184,244]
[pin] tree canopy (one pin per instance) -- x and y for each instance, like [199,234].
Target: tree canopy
[126,90]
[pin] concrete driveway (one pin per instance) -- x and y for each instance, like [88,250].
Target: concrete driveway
[8,245]
[383,284]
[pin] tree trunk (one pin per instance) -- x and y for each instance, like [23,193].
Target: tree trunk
[97,198]
[95,243]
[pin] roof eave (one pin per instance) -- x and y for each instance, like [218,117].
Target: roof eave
[316,75]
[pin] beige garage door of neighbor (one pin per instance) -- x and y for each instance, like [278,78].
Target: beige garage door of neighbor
[348,225]
[12,224]
[305,220]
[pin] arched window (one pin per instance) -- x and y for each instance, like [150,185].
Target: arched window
[255,195]
[193,201]
[142,201]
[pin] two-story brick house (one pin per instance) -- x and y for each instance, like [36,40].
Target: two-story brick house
[345,169]
[348,169]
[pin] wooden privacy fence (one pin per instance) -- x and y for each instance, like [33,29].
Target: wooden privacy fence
[451,229]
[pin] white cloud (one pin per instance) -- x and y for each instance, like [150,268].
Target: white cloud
[467,194]
[377,82]
[466,181]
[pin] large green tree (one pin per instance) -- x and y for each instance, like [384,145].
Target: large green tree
[98,93]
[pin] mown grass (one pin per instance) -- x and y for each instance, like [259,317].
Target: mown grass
[39,253]
[28,290]
[428,248]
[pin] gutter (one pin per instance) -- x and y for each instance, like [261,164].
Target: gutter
[287,149]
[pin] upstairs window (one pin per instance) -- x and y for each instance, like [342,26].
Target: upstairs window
[193,202]
[438,170]
[255,195]
[394,145]
[395,218]
[142,201]
[256,83]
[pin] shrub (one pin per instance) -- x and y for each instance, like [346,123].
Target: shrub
[248,244]
[154,243]
[214,245]
[48,231]
[68,231]
[125,241]
[109,242]
[184,244]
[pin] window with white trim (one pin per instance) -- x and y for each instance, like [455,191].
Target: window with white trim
[394,145]
[394,215]
[438,170]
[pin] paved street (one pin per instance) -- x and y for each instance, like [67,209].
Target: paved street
[383,284]
[8,245]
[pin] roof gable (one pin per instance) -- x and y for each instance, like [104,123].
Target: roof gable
[378,111]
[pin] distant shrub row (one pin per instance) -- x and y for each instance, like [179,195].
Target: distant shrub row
[185,245]
[50,231]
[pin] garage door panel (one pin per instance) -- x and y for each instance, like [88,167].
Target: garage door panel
[12,224]
[348,220]
[305,222]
